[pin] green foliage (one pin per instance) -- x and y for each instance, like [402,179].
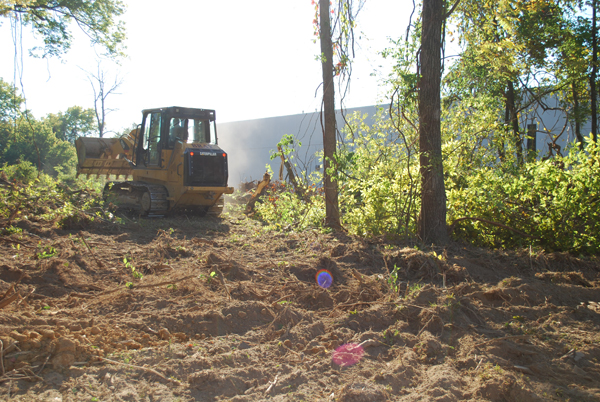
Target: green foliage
[51,20]
[75,122]
[282,208]
[45,199]
[287,145]
[29,140]
[129,265]
[415,289]
[512,55]
[25,139]
[23,171]
[7,231]
[46,252]
[393,279]
[377,191]
[555,201]
[377,171]
[10,102]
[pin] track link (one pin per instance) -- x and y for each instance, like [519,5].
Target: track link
[147,199]
[217,208]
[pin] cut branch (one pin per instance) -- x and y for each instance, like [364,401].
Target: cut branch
[98,262]
[290,170]
[8,300]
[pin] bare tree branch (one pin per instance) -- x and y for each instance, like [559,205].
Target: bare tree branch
[102,90]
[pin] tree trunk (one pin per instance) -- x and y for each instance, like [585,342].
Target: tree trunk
[432,222]
[514,121]
[531,142]
[594,72]
[102,116]
[577,114]
[332,213]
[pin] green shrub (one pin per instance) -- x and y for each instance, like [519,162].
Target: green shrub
[47,199]
[555,201]
[281,208]
[377,181]
[23,172]
[553,204]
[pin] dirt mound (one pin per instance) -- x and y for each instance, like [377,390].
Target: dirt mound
[215,309]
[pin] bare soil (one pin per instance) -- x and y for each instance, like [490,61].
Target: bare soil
[208,309]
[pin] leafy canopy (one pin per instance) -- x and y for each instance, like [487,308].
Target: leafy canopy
[75,122]
[10,101]
[51,19]
[26,139]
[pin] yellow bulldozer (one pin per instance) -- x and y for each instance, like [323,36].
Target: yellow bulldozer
[169,162]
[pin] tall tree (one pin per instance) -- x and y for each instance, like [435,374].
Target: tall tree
[594,74]
[24,138]
[432,225]
[103,87]
[50,19]
[75,122]
[332,211]
[10,102]
[524,54]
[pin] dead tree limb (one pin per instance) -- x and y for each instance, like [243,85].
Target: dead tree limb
[8,300]
[10,290]
[15,242]
[260,189]
[290,170]
[98,262]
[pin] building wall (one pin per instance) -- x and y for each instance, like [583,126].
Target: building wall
[248,143]
[551,122]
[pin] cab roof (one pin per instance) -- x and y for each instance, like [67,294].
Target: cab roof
[179,111]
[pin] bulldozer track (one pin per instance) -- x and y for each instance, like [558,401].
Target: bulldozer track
[159,205]
[145,198]
[217,208]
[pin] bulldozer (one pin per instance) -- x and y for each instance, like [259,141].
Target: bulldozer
[170,162]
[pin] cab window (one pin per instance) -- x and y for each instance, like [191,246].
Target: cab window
[191,131]
[152,138]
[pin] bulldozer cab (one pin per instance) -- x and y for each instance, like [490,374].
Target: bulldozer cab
[162,129]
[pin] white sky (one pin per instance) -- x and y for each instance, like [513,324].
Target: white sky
[246,59]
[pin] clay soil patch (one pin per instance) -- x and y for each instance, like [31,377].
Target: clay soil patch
[205,309]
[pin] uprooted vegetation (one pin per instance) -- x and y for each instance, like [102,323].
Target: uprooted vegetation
[222,309]
[549,203]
